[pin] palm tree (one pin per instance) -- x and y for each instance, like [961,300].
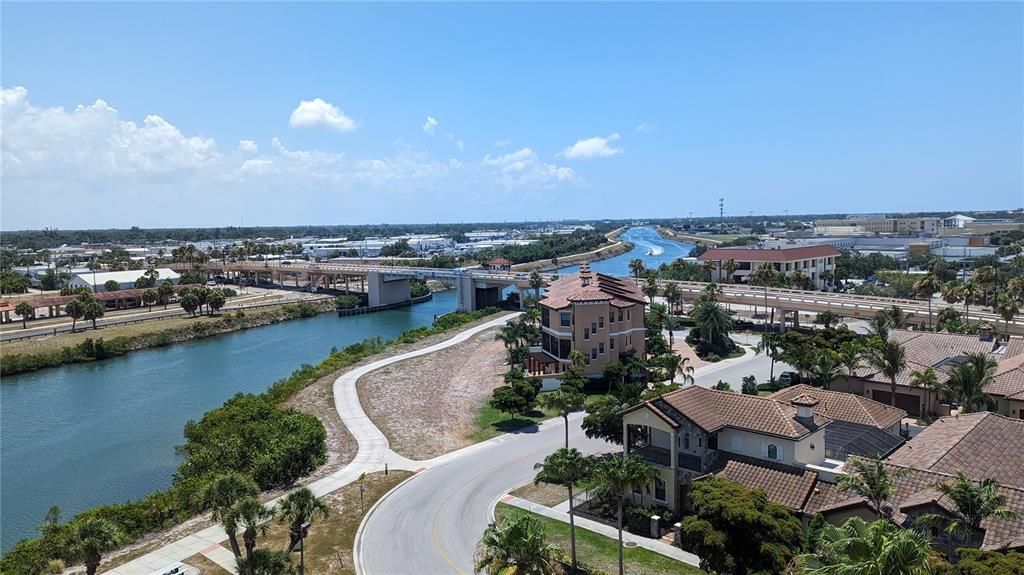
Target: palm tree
[969,292]
[636,267]
[765,275]
[91,538]
[729,266]
[25,310]
[75,309]
[851,354]
[221,494]
[950,292]
[659,313]
[565,467]
[713,291]
[861,548]
[615,477]
[298,507]
[712,321]
[926,378]
[828,318]
[650,288]
[672,296]
[967,382]
[926,287]
[515,547]
[974,502]
[986,277]
[797,279]
[564,401]
[708,267]
[149,297]
[1006,306]
[536,282]
[165,291]
[871,479]
[510,335]
[1015,287]
[266,562]
[889,358]
[769,345]
[252,516]
[826,368]
[674,364]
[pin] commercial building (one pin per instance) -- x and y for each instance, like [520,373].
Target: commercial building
[96,281]
[600,315]
[817,263]
[859,225]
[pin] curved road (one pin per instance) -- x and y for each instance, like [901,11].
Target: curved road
[432,522]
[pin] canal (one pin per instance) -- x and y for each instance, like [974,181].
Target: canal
[98,433]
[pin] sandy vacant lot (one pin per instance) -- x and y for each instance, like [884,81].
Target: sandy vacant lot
[426,405]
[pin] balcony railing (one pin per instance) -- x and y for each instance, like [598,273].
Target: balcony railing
[690,462]
[655,455]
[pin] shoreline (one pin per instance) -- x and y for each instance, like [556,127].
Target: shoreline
[225,323]
[615,248]
[685,238]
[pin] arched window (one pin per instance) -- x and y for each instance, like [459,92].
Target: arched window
[773,451]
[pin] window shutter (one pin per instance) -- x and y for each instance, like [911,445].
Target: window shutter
[764,449]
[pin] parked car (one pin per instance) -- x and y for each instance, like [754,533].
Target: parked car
[211,283]
[788,378]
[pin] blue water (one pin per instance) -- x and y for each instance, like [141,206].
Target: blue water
[653,249]
[104,432]
[97,433]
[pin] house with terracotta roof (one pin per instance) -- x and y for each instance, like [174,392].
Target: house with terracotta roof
[981,445]
[818,263]
[598,314]
[943,351]
[499,265]
[695,431]
[780,444]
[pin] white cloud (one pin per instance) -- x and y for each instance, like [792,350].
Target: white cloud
[318,113]
[430,126]
[91,156]
[646,127]
[460,145]
[595,147]
[502,143]
[522,168]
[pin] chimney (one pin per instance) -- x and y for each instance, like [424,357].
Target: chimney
[804,405]
[985,332]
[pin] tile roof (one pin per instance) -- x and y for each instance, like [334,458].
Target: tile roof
[711,410]
[843,406]
[768,255]
[927,349]
[588,287]
[804,491]
[978,444]
[783,484]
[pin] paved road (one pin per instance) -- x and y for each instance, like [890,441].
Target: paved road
[432,523]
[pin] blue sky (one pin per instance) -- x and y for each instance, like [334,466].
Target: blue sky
[190,114]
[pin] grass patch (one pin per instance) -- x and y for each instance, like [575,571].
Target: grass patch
[601,552]
[330,542]
[490,422]
[546,494]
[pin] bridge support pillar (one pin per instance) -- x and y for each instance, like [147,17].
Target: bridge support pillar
[383,292]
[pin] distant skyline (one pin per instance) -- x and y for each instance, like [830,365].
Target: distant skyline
[201,115]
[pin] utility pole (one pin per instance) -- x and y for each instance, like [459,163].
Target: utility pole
[721,213]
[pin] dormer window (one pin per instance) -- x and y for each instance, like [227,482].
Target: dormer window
[773,451]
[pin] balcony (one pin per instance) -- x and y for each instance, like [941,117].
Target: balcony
[690,462]
[656,455]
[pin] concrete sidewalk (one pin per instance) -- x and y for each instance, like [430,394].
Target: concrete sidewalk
[655,545]
[373,453]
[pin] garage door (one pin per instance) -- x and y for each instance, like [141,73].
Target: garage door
[909,403]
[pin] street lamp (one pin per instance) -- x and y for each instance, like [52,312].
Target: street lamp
[303,532]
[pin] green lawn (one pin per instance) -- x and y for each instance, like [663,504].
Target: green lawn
[491,423]
[598,551]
